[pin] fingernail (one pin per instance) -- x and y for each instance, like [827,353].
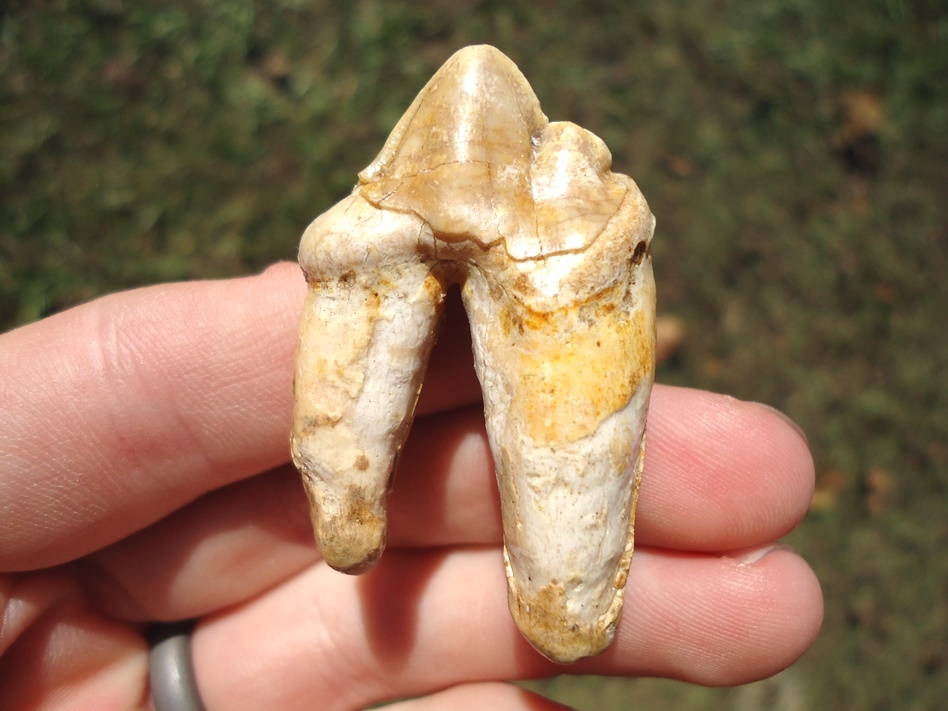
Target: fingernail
[796,428]
[754,556]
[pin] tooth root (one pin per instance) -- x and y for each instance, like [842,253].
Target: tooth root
[363,347]
[566,394]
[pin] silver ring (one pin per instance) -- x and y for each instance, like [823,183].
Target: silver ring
[171,670]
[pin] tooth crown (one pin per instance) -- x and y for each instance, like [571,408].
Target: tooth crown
[552,251]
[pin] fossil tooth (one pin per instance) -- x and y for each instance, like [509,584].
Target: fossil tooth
[551,249]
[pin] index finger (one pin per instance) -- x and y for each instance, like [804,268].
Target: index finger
[122,410]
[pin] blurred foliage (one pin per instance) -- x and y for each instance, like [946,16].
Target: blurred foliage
[795,153]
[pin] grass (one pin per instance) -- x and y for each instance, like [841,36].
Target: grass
[795,153]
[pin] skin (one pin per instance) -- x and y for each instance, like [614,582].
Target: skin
[144,477]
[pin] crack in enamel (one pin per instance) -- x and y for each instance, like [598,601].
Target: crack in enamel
[551,250]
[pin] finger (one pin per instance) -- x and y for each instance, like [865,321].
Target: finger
[427,620]
[720,474]
[119,411]
[222,549]
[745,482]
[476,697]
[56,652]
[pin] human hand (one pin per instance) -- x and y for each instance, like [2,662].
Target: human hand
[144,477]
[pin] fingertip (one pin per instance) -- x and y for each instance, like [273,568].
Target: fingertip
[720,474]
[791,446]
[782,615]
[792,599]
[719,620]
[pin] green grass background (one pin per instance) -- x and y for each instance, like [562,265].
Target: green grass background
[795,153]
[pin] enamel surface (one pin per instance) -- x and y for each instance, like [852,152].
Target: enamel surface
[476,187]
